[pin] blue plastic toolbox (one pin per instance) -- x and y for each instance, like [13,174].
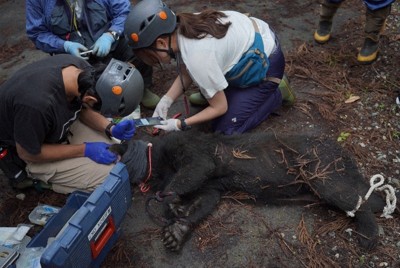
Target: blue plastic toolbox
[88,225]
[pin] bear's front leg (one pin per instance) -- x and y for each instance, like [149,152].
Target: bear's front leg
[367,227]
[190,214]
[173,207]
[174,235]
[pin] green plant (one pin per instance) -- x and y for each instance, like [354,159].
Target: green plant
[381,106]
[343,136]
[362,259]
[396,134]
[347,95]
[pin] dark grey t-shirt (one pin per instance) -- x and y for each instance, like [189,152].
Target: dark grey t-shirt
[33,104]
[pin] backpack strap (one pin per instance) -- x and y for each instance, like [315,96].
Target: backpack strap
[273,79]
[255,25]
[270,78]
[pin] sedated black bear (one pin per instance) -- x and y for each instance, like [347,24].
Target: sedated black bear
[193,170]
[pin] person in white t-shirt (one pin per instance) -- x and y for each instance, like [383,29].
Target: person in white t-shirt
[207,46]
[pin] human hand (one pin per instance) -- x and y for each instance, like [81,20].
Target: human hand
[169,125]
[103,45]
[124,130]
[163,107]
[75,49]
[98,152]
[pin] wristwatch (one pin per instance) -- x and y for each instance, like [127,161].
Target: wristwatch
[184,126]
[108,130]
[115,35]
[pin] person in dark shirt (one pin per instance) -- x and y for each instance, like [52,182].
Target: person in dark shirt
[47,118]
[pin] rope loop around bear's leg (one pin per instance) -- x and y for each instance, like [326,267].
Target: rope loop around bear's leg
[391,199]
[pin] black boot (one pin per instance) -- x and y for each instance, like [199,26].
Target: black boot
[323,33]
[374,25]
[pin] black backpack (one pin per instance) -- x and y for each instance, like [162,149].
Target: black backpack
[12,166]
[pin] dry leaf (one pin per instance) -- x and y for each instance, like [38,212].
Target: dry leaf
[352,99]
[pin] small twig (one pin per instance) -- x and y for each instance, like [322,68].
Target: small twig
[241,154]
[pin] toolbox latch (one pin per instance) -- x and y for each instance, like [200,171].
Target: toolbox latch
[98,245]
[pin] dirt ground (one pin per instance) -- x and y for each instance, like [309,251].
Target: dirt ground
[336,97]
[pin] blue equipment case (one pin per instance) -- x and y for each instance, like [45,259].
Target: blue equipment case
[88,225]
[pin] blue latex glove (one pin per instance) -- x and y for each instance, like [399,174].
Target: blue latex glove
[74,48]
[124,130]
[169,125]
[103,45]
[99,153]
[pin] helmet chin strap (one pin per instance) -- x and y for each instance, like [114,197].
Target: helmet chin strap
[169,51]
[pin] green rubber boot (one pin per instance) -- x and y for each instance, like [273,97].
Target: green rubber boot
[288,96]
[323,32]
[150,100]
[29,182]
[40,186]
[198,99]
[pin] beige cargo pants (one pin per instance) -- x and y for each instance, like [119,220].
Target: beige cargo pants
[80,173]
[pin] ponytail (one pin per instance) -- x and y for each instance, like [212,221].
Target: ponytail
[198,26]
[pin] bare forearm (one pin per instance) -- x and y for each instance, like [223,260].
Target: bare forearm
[93,119]
[217,106]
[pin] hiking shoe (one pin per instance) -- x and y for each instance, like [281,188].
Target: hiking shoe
[150,100]
[29,182]
[41,185]
[288,96]
[24,184]
[323,33]
[198,99]
[369,51]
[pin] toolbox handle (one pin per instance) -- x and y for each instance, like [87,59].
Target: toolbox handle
[99,244]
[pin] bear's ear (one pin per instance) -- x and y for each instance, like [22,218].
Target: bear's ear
[119,149]
[135,159]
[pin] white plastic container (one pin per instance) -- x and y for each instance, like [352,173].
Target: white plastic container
[42,213]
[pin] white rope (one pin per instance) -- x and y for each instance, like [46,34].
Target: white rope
[359,203]
[377,186]
[391,200]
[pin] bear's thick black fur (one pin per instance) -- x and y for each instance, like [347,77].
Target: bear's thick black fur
[194,169]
